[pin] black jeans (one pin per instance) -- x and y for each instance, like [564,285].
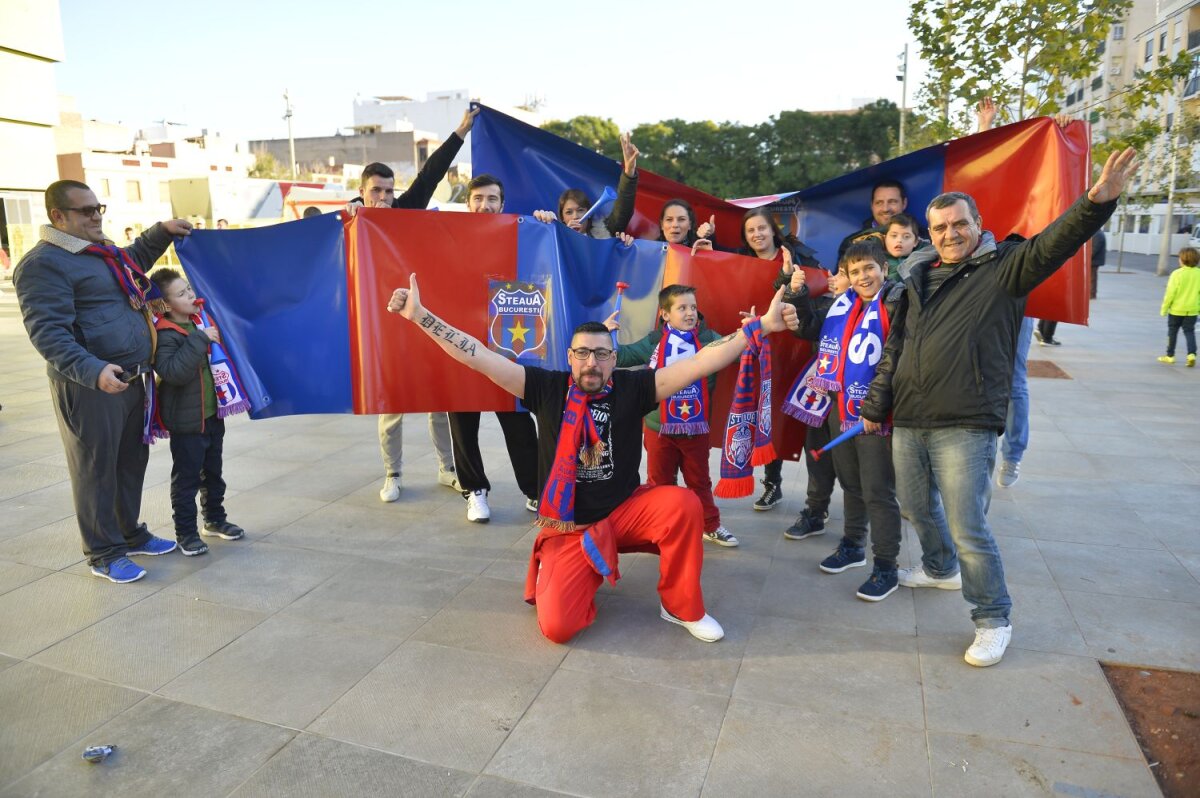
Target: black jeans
[196,467]
[1047,328]
[1174,325]
[820,472]
[520,436]
[864,467]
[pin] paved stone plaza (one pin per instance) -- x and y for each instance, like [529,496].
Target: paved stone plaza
[348,647]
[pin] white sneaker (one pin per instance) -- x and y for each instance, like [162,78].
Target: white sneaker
[1008,474]
[989,646]
[390,491]
[916,577]
[449,478]
[531,505]
[477,507]
[706,629]
[721,537]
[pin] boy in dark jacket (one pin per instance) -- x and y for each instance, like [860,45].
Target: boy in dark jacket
[852,330]
[676,434]
[187,407]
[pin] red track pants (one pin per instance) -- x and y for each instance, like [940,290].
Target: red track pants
[662,520]
[667,455]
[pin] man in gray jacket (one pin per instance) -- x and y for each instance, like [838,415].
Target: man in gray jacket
[83,302]
[946,381]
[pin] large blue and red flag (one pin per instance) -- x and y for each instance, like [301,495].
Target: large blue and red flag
[1022,177]
[302,304]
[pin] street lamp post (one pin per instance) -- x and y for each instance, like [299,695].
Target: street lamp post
[903,78]
[291,141]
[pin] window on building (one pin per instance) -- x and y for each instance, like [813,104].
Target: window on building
[1149,49]
[1143,224]
[133,190]
[105,188]
[1118,32]
[1162,42]
[1170,121]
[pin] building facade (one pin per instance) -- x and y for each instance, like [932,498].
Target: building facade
[31,43]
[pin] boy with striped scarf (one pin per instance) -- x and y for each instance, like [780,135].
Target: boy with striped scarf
[197,388]
[675,435]
[851,332]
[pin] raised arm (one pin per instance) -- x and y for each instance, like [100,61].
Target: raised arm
[721,352]
[466,349]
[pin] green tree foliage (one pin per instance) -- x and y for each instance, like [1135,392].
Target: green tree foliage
[1023,53]
[268,166]
[794,150]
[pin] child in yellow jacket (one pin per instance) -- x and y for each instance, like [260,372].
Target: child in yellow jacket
[1181,304]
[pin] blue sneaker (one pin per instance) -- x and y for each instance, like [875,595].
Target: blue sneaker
[846,556]
[883,582]
[153,547]
[120,570]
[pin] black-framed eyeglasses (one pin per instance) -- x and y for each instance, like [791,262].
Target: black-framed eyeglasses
[601,355]
[89,210]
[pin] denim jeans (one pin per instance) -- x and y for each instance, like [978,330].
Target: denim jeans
[1174,325]
[943,482]
[1016,426]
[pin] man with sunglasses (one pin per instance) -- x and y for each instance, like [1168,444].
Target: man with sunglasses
[84,306]
[592,505]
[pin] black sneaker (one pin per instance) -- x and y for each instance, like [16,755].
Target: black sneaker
[1052,342]
[771,496]
[806,525]
[883,582]
[223,530]
[845,557]
[192,545]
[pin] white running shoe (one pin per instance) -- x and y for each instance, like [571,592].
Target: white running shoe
[477,507]
[390,491]
[916,577]
[531,505]
[449,478]
[706,629]
[1008,474]
[989,646]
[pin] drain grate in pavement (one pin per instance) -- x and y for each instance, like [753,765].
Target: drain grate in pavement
[1163,708]
[1046,369]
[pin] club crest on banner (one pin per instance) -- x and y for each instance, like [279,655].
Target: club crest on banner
[517,318]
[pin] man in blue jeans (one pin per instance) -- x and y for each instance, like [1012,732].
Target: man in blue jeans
[946,378]
[1016,424]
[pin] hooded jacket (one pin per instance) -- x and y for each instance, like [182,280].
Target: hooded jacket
[179,363]
[952,365]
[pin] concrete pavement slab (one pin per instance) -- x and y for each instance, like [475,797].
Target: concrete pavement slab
[163,748]
[181,632]
[45,710]
[446,706]
[311,766]
[598,735]
[284,671]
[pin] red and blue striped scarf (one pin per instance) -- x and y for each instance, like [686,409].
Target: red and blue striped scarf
[748,429]
[686,411]
[132,280]
[578,442]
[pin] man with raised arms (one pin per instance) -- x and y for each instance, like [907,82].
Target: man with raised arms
[592,504]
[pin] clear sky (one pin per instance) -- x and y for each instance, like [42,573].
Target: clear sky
[224,65]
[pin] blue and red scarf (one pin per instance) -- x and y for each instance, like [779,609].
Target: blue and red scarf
[851,347]
[132,280]
[748,429]
[686,411]
[578,443]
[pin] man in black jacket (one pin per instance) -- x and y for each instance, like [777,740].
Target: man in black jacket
[377,189]
[946,383]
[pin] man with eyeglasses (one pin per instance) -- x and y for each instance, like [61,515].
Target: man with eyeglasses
[592,504]
[945,380]
[84,306]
